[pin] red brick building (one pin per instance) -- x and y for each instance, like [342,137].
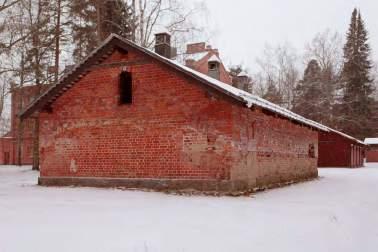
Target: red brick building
[372,150]
[21,97]
[337,149]
[127,116]
[205,59]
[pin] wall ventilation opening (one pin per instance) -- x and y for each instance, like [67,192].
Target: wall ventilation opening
[126,88]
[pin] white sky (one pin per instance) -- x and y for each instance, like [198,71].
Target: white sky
[241,28]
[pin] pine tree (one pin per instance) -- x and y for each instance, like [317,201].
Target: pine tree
[356,103]
[308,93]
[94,20]
[115,17]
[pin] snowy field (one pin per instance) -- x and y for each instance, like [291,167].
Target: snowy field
[338,212]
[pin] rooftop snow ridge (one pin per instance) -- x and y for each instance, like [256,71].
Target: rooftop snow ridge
[214,58]
[195,56]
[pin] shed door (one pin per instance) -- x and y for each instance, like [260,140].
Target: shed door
[6,158]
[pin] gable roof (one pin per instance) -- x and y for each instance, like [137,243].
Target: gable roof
[115,41]
[214,58]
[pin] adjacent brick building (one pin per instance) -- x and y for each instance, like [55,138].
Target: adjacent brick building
[127,116]
[337,149]
[9,151]
[205,59]
[372,150]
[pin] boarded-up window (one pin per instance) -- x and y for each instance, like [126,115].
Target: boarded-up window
[126,88]
[311,151]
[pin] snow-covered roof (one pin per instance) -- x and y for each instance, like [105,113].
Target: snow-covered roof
[242,74]
[195,56]
[214,58]
[248,99]
[346,136]
[371,141]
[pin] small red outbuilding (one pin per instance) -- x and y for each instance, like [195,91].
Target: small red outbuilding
[337,149]
[372,150]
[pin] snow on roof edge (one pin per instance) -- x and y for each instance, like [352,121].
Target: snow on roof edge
[346,135]
[369,141]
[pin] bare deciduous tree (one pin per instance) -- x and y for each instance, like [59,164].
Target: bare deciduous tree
[326,49]
[279,69]
[155,15]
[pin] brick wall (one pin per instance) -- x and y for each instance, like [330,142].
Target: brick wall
[196,47]
[272,149]
[175,129]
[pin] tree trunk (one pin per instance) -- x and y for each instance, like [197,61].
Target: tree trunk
[57,41]
[99,23]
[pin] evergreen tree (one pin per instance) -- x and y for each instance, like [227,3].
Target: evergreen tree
[116,16]
[308,94]
[84,30]
[94,20]
[356,104]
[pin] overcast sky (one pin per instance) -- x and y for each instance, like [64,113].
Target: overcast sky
[241,28]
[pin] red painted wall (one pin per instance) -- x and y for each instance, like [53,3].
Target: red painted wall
[338,151]
[372,154]
[175,128]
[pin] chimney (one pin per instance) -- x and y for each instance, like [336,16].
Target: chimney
[196,48]
[214,67]
[163,44]
[241,81]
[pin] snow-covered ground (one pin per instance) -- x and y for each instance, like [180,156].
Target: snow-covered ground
[338,212]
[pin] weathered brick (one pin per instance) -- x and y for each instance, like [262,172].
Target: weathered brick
[175,129]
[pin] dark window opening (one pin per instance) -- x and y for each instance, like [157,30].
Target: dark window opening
[213,66]
[311,151]
[126,88]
